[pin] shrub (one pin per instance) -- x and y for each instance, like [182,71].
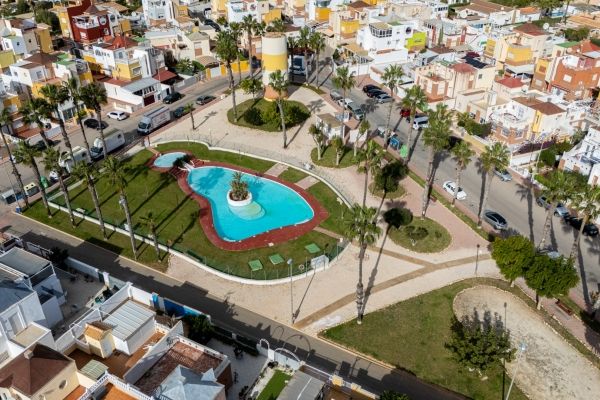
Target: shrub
[294,114]
[201,330]
[481,130]
[387,178]
[548,156]
[253,116]
[416,233]
[398,217]
[271,116]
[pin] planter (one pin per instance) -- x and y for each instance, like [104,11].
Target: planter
[238,203]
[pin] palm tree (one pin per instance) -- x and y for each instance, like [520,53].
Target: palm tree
[25,154]
[277,25]
[292,43]
[115,171]
[587,204]
[34,112]
[317,44]
[51,163]
[251,85]
[184,66]
[318,137]
[150,222]
[391,77]
[338,146]
[496,156]
[227,51]
[559,188]
[369,161]
[250,25]
[94,96]
[279,83]
[56,96]
[363,130]
[86,172]
[343,80]
[415,99]
[435,138]
[236,32]
[462,154]
[6,122]
[304,42]
[360,226]
[75,92]
[189,109]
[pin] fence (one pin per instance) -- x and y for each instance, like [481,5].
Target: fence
[97,389]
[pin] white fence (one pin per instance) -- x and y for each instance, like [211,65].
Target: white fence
[97,390]
[83,268]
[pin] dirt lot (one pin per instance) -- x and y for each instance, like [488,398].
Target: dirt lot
[550,368]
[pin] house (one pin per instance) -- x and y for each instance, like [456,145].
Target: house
[185,384]
[528,14]
[67,13]
[331,126]
[584,158]
[24,36]
[91,25]
[497,14]
[180,44]
[304,386]
[165,13]
[260,10]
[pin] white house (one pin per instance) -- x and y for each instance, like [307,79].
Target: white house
[585,157]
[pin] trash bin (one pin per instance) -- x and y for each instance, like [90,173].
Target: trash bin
[18,210]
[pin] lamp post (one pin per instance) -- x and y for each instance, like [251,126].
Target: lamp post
[289,262]
[522,348]
[477,260]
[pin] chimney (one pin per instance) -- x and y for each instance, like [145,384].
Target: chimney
[28,354]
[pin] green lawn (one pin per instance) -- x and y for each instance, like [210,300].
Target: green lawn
[396,194]
[328,158]
[293,175]
[438,237]
[262,105]
[411,335]
[336,210]
[177,218]
[274,386]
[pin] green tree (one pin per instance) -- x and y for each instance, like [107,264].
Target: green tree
[397,217]
[391,77]
[343,80]
[304,43]
[369,160]
[252,85]
[559,188]
[576,35]
[279,84]
[238,187]
[86,173]
[74,91]
[26,154]
[338,146]
[116,172]
[388,178]
[250,26]
[496,156]
[513,256]
[550,277]
[56,96]
[415,99]
[586,201]
[363,129]
[548,157]
[6,122]
[319,138]
[391,395]
[236,31]
[360,225]
[227,51]
[201,330]
[149,221]
[22,7]
[462,154]
[51,163]
[34,112]
[276,25]
[94,97]
[317,44]
[48,18]
[435,138]
[548,5]
[185,66]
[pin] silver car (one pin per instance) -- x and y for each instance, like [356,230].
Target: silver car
[504,176]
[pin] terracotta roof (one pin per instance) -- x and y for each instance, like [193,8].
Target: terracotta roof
[116,82]
[359,4]
[485,7]
[92,10]
[530,29]
[463,68]
[116,6]
[32,370]
[548,108]
[42,58]
[511,82]
[119,42]
[441,50]
[164,75]
[529,10]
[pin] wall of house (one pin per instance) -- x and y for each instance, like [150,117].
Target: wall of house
[138,338]
[115,92]
[28,310]
[52,311]
[61,385]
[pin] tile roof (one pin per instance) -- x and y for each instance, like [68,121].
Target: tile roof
[42,58]
[463,68]
[529,10]
[548,108]
[530,29]
[510,82]
[165,75]
[119,42]
[359,4]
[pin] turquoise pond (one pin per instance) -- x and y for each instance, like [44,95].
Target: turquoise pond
[167,160]
[274,205]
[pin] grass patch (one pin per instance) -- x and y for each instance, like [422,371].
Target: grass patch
[396,194]
[265,107]
[309,86]
[292,175]
[328,158]
[177,218]
[336,209]
[437,239]
[275,386]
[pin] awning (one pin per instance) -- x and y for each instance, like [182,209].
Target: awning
[520,69]
[207,60]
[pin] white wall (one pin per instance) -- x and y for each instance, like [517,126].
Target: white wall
[139,337]
[52,312]
[141,296]
[83,268]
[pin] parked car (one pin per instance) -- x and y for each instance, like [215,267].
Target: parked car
[356,110]
[588,230]
[405,113]
[41,145]
[118,115]
[504,175]
[494,219]
[560,211]
[421,121]
[368,88]
[375,92]
[450,187]
[205,99]
[180,112]
[383,98]
[94,124]
[335,96]
[172,98]
[345,103]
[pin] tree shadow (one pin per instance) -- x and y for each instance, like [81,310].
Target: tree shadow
[484,178]
[416,138]
[313,107]
[207,116]
[526,192]
[164,181]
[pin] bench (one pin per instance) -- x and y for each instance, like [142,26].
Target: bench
[564,307]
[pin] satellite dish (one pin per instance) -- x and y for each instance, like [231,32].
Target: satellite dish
[546,26]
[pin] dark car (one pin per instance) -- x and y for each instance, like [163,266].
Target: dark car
[472,54]
[180,112]
[172,98]
[588,229]
[494,219]
[205,99]
[368,88]
[94,123]
[41,145]
[375,93]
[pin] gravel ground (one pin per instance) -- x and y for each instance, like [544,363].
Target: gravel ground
[550,368]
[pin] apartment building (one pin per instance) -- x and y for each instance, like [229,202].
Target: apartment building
[260,10]
[165,12]
[497,14]
[180,44]
[23,37]
[585,157]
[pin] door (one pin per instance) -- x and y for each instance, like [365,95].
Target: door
[149,100]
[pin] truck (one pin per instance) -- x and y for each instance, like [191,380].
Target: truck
[114,139]
[154,120]
[79,153]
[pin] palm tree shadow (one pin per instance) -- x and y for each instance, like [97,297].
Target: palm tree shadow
[413,146]
[582,274]
[297,311]
[206,118]
[484,178]
[165,180]
[526,192]
[313,107]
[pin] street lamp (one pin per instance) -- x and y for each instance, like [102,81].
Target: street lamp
[477,260]
[289,262]
[521,352]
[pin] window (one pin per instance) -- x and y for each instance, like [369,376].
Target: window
[480,76]
[62,385]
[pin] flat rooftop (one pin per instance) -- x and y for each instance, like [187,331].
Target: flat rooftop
[29,335]
[23,261]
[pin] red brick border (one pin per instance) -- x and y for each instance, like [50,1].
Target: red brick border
[275,236]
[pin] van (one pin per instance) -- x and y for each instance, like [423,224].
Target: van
[10,196]
[79,153]
[421,122]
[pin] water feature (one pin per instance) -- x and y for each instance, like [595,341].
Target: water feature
[166,160]
[273,205]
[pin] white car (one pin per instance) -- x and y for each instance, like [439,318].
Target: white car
[118,115]
[344,103]
[450,187]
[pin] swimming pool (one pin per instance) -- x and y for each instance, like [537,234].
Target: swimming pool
[274,205]
[166,160]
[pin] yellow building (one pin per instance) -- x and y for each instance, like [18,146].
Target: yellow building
[42,32]
[417,42]
[272,15]
[7,58]
[349,27]
[128,71]
[322,14]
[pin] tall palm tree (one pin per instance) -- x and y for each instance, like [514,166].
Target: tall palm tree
[317,44]
[462,154]
[360,225]
[236,32]
[34,112]
[149,221]
[86,173]
[392,76]
[559,188]
[338,146]
[363,129]
[343,80]
[6,124]
[26,154]
[369,161]
[51,163]
[415,99]
[252,85]
[189,109]
[587,204]
[74,89]
[115,171]
[277,25]
[94,97]
[304,42]
[435,138]
[227,51]
[496,156]
[318,137]
[279,83]
[250,25]
[56,96]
